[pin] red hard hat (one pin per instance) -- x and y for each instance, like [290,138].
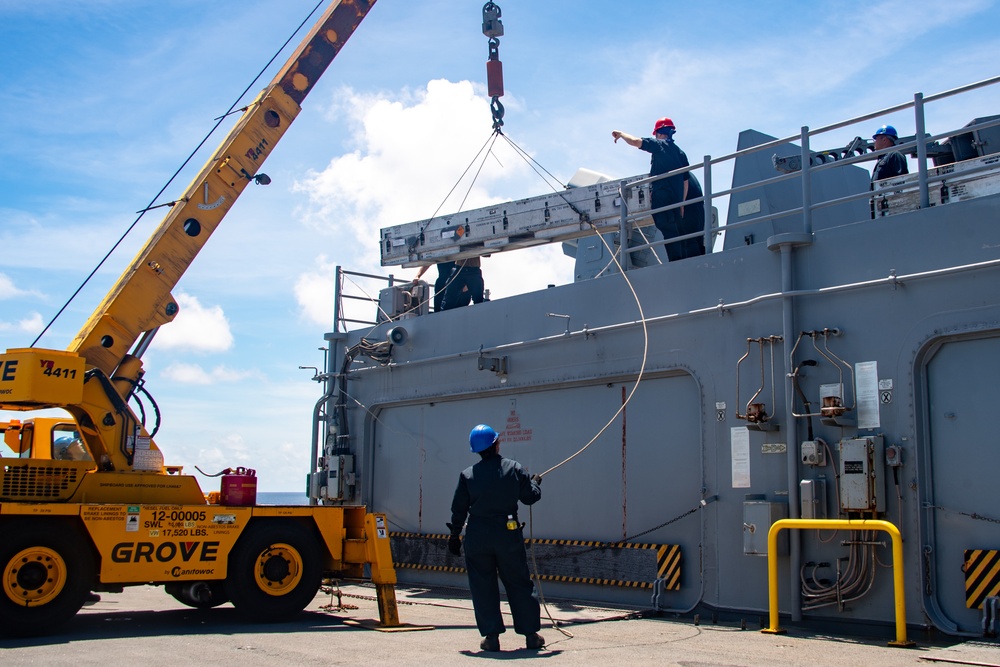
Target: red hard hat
[662,123]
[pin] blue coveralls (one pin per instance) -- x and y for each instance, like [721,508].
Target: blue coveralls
[487,493]
[464,285]
[667,156]
[889,165]
[444,273]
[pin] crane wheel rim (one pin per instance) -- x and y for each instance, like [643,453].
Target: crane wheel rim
[278,569]
[34,576]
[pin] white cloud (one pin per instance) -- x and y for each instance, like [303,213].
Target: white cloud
[412,148]
[31,324]
[231,449]
[8,290]
[196,327]
[314,292]
[195,374]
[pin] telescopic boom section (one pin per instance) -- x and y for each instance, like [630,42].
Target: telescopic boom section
[141,300]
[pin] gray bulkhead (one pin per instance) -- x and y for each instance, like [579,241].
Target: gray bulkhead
[907,302]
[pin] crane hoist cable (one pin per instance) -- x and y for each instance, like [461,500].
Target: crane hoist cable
[493,30]
[481,156]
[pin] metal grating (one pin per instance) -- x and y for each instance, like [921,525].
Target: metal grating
[34,480]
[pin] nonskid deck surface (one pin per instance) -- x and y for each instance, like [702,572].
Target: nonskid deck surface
[151,628]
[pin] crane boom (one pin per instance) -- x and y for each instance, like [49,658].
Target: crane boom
[95,376]
[141,300]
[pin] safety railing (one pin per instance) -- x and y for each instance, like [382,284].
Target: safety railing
[358,293]
[837,524]
[804,174]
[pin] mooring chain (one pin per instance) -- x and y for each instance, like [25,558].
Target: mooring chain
[974,515]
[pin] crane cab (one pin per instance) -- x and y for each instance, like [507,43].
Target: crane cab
[48,438]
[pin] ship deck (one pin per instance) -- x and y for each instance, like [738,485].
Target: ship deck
[152,629]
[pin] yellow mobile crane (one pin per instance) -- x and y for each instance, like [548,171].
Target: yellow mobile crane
[88,505]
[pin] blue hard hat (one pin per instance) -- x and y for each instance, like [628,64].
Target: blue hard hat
[888,130]
[482,438]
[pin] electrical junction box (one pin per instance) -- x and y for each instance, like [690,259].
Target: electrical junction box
[813,453]
[862,483]
[758,515]
[400,302]
[340,476]
[893,456]
[812,498]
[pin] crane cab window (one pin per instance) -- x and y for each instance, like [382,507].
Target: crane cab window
[67,444]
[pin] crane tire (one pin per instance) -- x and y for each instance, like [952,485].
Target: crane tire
[47,572]
[274,571]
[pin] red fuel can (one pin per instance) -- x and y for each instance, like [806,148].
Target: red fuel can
[239,487]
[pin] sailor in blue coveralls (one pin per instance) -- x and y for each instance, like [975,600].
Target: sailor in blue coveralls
[487,494]
[892,163]
[666,156]
[889,165]
[465,284]
[444,273]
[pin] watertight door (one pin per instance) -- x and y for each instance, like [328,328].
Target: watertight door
[963,396]
[636,475]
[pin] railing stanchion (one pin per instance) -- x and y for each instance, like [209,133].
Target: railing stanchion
[807,226]
[918,111]
[707,176]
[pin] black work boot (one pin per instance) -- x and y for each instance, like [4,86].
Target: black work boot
[490,643]
[534,641]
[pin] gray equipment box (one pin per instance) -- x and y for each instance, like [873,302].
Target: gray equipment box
[976,143]
[402,301]
[862,487]
[812,498]
[758,516]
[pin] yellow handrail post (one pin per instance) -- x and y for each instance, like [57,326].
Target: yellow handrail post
[837,524]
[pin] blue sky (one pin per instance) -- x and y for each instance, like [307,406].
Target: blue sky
[101,101]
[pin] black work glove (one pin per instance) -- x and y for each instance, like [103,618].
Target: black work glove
[454,542]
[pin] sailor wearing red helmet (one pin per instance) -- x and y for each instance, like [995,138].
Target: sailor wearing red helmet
[666,156]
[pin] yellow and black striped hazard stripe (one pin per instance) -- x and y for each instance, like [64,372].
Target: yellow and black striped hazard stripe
[982,576]
[668,565]
[668,561]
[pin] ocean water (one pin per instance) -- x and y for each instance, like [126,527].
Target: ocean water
[282,498]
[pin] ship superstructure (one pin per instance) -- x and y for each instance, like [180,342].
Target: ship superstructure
[835,357]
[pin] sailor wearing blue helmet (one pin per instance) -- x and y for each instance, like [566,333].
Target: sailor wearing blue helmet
[487,494]
[892,163]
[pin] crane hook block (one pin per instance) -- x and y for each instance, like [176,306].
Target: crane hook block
[494,78]
[492,25]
